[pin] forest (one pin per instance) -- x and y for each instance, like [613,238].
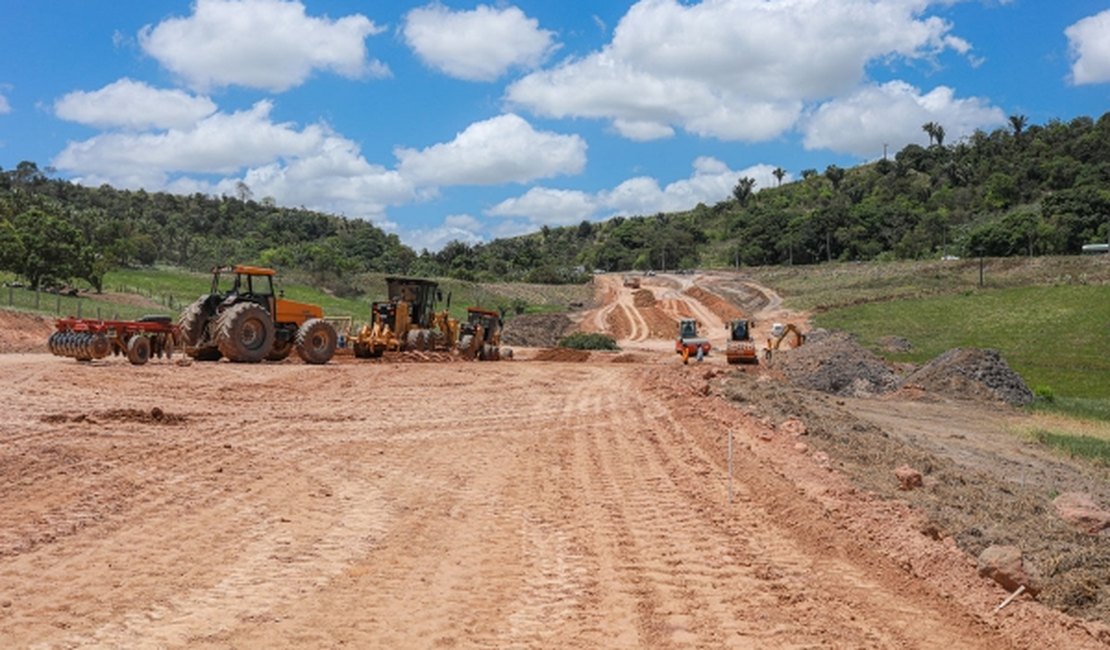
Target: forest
[1020,190]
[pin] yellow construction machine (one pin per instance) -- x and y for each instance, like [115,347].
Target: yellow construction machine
[779,332]
[407,321]
[480,336]
[740,348]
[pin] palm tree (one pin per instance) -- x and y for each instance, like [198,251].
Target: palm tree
[743,190]
[931,129]
[1018,122]
[939,133]
[778,174]
[835,175]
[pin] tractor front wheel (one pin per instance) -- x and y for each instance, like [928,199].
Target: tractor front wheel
[316,341]
[245,333]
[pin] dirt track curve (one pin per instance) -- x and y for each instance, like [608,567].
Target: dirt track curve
[491,505]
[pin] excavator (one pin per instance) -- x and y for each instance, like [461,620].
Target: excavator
[779,332]
[740,347]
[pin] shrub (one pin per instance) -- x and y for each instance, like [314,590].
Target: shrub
[588,341]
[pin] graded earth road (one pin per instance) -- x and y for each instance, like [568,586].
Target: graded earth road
[421,505]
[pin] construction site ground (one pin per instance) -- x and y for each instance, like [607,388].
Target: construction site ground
[564,499]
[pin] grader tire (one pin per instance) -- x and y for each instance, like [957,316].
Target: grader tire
[316,341]
[245,333]
[464,346]
[138,350]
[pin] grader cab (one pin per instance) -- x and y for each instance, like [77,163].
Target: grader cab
[243,319]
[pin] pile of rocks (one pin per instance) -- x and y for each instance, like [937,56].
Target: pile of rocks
[834,362]
[974,373]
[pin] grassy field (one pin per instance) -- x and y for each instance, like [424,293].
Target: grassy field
[137,292]
[1049,317]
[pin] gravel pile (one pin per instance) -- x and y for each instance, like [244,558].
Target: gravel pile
[536,330]
[834,362]
[975,373]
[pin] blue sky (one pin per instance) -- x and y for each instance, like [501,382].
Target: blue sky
[459,120]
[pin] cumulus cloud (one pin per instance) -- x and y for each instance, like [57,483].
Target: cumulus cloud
[502,149]
[457,227]
[267,44]
[543,205]
[5,107]
[220,143]
[712,181]
[133,105]
[731,69]
[892,114]
[1089,42]
[478,45]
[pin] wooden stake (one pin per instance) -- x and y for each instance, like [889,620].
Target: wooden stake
[730,465]
[1010,598]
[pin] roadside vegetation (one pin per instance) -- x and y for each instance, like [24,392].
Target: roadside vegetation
[588,341]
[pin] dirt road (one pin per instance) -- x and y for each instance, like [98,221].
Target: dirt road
[516,504]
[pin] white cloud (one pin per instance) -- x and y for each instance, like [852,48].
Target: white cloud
[731,69]
[478,45]
[711,182]
[268,44]
[133,105]
[5,107]
[221,143]
[503,149]
[893,114]
[1089,42]
[543,205]
[458,227]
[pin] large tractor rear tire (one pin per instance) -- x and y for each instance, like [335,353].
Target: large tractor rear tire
[245,333]
[316,341]
[192,322]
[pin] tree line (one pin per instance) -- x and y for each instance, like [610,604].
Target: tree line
[1019,190]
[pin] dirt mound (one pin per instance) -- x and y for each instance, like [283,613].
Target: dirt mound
[972,372]
[536,330]
[724,310]
[834,362]
[23,332]
[562,354]
[643,298]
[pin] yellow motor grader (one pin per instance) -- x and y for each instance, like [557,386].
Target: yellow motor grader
[480,336]
[407,321]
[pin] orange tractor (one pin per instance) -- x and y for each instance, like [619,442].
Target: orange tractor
[242,318]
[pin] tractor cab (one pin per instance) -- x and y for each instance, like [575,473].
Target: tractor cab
[687,328]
